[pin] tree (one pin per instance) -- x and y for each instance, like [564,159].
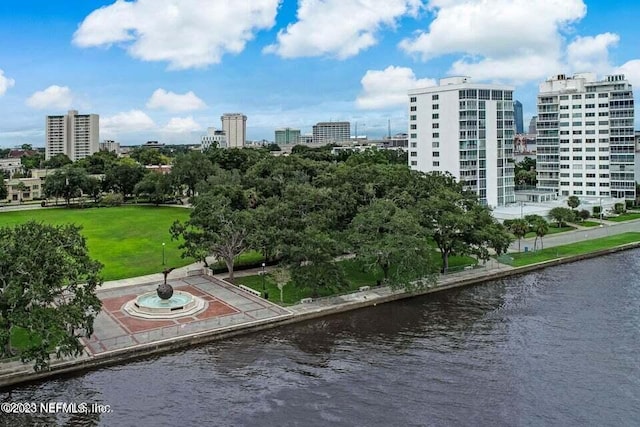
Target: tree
[93,188]
[67,183]
[573,202]
[282,277]
[519,227]
[190,169]
[21,187]
[148,156]
[4,193]
[98,162]
[538,225]
[47,291]
[31,161]
[213,228]
[123,175]
[57,161]
[157,187]
[561,215]
[391,238]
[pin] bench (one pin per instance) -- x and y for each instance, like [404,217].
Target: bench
[306,300]
[251,291]
[364,288]
[468,267]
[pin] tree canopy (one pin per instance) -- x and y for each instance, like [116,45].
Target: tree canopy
[47,291]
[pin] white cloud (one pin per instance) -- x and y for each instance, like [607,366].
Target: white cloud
[591,54]
[388,88]
[175,102]
[130,121]
[631,70]
[340,28]
[510,39]
[5,83]
[186,33]
[182,125]
[52,97]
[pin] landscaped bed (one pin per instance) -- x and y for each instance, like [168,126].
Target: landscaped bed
[127,240]
[624,217]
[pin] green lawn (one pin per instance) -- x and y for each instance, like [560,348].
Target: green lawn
[553,229]
[127,240]
[526,258]
[357,276]
[590,224]
[624,217]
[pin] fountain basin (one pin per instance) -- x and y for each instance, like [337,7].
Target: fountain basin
[151,306]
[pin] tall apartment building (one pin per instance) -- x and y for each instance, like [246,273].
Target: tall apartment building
[287,136]
[109,145]
[234,126]
[73,134]
[518,119]
[331,132]
[465,129]
[585,139]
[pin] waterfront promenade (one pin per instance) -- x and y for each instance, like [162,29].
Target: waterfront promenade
[231,311]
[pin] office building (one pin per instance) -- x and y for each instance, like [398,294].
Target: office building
[533,125]
[287,136]
[331,132]
[517,117]
[213,138]
[585,140]
[234,126]
[465,129]
[73,134]
[109,145]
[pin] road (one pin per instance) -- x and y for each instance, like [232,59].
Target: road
[609,228]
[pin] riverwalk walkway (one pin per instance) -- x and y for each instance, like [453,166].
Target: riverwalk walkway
[231,311]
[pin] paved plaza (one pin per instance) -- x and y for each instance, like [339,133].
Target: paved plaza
[227,306]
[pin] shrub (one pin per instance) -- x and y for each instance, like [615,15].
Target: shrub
[112,199]
[619,208]
[596,211]
[629,204]
[583,214]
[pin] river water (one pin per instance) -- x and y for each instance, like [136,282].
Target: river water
[556,347]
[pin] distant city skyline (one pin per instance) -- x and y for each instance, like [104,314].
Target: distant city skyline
[167,71]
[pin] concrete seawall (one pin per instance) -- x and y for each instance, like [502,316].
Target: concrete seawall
[13,373]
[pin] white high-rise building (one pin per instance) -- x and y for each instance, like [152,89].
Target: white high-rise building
[73,134]
[331,132]
[234,126]
[585,136]
[465,129]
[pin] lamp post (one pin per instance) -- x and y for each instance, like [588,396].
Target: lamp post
[163,253]
[264,291]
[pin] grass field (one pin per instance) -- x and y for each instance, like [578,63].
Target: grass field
[624,217]
[127,240]
[590,224]
[356,276]
[526,258]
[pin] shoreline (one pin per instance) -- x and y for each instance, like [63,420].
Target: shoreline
[14,373]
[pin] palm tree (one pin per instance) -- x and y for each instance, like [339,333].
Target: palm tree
[541,228]
[519,228]
[21,187]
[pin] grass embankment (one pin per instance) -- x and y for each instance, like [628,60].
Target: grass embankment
[624,217]
[126,240]
[355,273]
[579,248]
[553,229]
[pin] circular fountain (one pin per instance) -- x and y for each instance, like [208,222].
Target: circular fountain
[165,303]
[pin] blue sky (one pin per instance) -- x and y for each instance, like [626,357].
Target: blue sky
[167,69]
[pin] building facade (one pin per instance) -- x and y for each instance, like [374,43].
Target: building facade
[234,126]
[517,117]
[109,145]
[465,129]
[585,139]
[287,136]
[215,138]
[331,132]
[75,135]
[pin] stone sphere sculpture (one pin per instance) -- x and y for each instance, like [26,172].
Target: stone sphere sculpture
[164,291]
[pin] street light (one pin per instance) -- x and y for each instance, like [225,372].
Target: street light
[264,292]
[163,253]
